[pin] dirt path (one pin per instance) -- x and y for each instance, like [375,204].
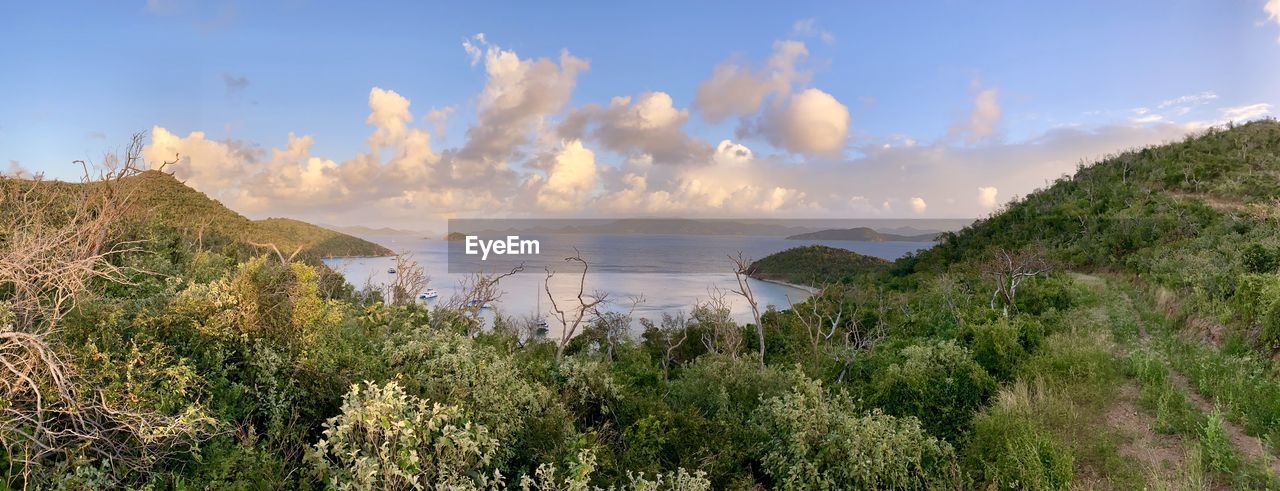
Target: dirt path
[1164,457]
[1251,447]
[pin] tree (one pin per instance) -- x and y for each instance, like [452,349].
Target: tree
[1009,269]
[572,318]
[741,272]
[477,291]
[831,314]
[56,240]
[720,333]
[409,279]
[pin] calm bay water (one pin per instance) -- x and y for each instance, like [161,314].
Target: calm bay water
[671,272]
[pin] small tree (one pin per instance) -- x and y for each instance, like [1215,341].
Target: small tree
[56,239]
[720,333]
[409,279]
[1009,269]
[477,291]
[668,336]
[741,272]
[572,316]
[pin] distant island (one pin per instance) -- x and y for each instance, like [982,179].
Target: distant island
[701,227]
[814,265]
[864,234]
[455,236]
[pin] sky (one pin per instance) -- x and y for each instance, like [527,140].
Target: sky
[403,114]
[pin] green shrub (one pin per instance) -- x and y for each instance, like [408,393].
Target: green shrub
[996,346]
[387,439]
[940,384]
[486,386]
[816,441]
[1009,451]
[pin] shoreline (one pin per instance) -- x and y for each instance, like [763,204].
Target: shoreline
[809,289]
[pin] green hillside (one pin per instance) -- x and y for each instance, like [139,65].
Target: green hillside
[160,197]
[1116,330]
[815,265]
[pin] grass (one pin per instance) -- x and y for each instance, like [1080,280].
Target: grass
[1058,393]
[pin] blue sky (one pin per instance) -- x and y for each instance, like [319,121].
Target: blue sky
[80,77]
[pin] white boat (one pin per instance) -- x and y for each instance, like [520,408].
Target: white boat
[429,294]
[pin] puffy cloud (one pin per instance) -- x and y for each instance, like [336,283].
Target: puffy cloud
[651,125]
[570,180]
[205,164]
[1245,113]
[812,121]
[987,197]
[982,122]
[735,89]
[918,205]
[729,153]
[389,113]
[518,94]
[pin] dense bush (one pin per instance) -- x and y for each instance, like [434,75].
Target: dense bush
[387,439]
[1009,451]
[940,384]
[813,440]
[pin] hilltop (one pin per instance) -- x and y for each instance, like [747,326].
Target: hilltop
[814,265]
[863,234]
[160,199]
[166,200]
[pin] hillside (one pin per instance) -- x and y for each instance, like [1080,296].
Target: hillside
[863,234]
[160,198]
[814,265]
[165,199]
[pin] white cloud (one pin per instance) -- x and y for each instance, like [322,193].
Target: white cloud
[1272,8]
[736,89]
[812,121]
[652,125]
[983,121]
[809,28]
[918,205]
[987,197]
[1150,118]
[1245,113]
[570,180]
[1190,99]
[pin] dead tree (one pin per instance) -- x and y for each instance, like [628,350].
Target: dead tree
[821,315]
[741,272]
[409,280]
[672,333]
[614,325]
[56,241]
[475,292]
[721,334]
[1009,269]
[573,317]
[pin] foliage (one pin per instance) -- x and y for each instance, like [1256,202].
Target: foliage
[387,439]
[939,384]
[817,441]
[815,265]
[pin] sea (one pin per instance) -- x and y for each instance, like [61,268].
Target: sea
[646,275]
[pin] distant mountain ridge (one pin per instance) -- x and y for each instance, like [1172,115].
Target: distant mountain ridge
[677,226]
[864,234]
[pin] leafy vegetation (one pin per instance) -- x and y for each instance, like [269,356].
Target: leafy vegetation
[190,360]
[815,265]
